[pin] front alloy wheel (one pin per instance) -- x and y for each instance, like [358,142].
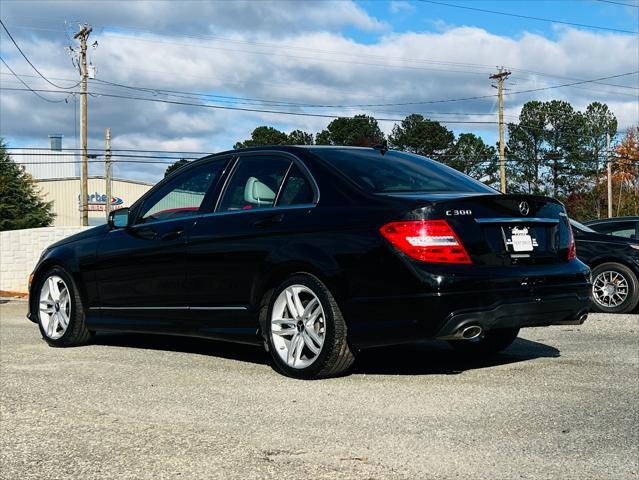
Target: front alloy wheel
[59,309]
[55,307]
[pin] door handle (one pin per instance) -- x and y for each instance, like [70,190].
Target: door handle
[272,220]
[173,234]
[146,233]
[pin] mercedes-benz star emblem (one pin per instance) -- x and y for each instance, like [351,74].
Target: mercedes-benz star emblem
[524,209]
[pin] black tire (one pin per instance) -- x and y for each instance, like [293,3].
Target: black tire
[335,356]
[489,343]
[632,299]
[76,333]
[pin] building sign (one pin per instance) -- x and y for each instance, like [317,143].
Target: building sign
[96,202]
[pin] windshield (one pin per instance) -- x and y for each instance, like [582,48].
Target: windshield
[581,226]
[398,172]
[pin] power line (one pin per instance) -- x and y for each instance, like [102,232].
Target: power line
[29,61]
[618,3]
[28,87]
[386,65]
[113,150]
[421,102]
[528,17]
[321,115]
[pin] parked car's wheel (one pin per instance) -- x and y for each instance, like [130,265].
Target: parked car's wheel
[488,343]
[614,288]
[60,310]
[306,332]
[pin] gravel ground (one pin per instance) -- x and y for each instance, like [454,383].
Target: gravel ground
[561,402]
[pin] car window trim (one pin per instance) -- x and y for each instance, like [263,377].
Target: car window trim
[292,158]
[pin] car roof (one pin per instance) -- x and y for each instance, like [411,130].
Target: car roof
[291,148]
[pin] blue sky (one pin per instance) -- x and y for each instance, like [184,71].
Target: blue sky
[319,52]
[423,16]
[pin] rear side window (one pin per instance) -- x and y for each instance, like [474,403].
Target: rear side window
[254,183]
[398,172]
[297,189]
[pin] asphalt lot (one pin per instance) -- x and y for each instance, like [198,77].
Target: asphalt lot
[562,402]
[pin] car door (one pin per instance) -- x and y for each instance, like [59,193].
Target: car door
[265,200]
[141,269]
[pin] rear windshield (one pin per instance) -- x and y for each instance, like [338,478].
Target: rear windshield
[398,172]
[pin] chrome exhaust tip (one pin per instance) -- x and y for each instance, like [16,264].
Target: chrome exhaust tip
[583,318]
[471,332]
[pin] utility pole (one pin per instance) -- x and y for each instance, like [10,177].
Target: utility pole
[83,35]
[500,76]
[107,170]
[609,168]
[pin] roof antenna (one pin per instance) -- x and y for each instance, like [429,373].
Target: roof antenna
[382,147]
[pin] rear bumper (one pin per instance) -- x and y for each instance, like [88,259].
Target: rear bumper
[562,309]
[552,297]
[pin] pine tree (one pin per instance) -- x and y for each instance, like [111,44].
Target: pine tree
[20,203]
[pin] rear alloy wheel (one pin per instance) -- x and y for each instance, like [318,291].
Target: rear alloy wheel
[306,330]
[614,288]
[60,310]
[488,343]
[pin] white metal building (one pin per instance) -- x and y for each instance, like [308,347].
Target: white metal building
[65,194]
[57,174]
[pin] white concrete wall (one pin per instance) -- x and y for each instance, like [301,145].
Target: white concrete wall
[20,251]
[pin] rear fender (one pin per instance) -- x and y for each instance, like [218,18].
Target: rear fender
[289,260]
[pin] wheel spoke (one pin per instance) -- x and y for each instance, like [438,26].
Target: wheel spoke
[291,304]
[292,349]
[284,322]
[298,302]
[53,325]
[54,291]
[314,316]
[310,344]
[309,308]
[314,336]
[63,319]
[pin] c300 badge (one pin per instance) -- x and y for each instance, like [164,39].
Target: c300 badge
[452,213]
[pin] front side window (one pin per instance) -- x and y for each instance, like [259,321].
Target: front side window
[182,196]
[254,183]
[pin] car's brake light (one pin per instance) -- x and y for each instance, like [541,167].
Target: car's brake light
[572,250]
[426,240]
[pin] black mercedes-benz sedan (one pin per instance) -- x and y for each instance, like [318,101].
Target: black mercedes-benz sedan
[615,267]
[317,253]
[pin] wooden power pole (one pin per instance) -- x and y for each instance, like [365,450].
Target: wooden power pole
[107,170]
[500,77]
[609,171]
[82,36]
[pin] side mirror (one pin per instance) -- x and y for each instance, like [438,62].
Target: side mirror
[119,218]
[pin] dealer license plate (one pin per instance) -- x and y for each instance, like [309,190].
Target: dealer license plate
[520,240]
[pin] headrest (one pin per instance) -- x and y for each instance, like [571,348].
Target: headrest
[258,193]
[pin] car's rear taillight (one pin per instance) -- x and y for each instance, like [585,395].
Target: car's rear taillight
[572,250]
[426,240]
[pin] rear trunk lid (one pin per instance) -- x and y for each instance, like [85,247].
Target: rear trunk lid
[498,229]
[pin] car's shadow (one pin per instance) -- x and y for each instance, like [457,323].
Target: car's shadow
[430,358]
[426,358]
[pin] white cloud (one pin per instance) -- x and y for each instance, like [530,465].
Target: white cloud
[285,52]
[400,6]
